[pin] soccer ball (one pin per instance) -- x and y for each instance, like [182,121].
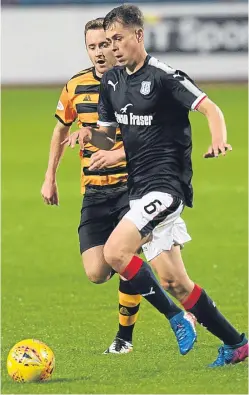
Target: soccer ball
[30,360]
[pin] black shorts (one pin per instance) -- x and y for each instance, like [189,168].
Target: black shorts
[99,216]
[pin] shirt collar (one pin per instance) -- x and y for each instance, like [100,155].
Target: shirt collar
[95,75]
[139,71]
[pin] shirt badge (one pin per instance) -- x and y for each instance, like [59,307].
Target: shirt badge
[145,87]
[60,106]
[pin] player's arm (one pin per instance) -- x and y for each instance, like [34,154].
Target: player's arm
[217,127]
[65,115]
[56,150]
[102,159]
[104,136]
[49,188]
[190,96]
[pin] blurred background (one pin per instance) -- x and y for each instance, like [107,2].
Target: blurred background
[45,293]
[208,40]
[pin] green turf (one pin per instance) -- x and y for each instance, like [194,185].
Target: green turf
[45,293]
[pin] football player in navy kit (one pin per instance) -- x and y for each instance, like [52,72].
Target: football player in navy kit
[150,102]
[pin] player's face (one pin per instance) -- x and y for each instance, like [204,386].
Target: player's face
[99,51]
[124,42]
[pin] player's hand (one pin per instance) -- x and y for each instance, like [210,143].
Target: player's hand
[217,149]
[82,136]
[49,192]
[102,159]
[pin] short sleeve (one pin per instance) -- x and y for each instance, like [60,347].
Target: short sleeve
[105,109]
[183,89]
[65,112]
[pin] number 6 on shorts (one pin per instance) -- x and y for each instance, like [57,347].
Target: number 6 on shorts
[153,209]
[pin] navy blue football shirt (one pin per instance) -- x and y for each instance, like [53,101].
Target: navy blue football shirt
[151,107]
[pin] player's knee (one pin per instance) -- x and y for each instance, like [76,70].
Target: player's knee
[93,273]
[113,254]
[170,284]
[165,284]
[180,288]
[173,287]
[95,278]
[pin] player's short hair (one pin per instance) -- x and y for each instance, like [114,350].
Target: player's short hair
[94,24]
[127,14]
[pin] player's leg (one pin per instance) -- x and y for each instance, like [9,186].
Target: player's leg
[172,273]
[120,249]
[129,299]
[94,229]
[199,303]
[169,266]
[98,220]
[96,268]
[235,347]
[129,303]
[174,278]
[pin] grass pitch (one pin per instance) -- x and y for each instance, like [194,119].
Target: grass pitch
[45,293]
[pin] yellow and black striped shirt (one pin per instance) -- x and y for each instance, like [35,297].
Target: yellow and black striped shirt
[78,101]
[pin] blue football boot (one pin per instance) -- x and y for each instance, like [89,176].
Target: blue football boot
[183,325]
[231,354]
